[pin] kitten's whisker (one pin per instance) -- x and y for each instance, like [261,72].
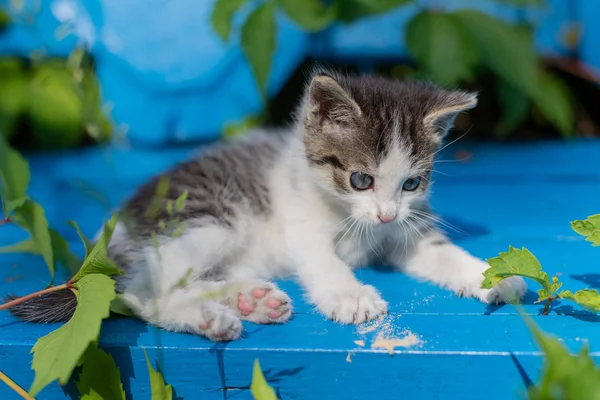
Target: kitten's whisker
[447,161]
[424,224]
[438,172]
[413,228]
[345,221]
[375,247]
[354,222]
[402,234]
[438,220]
[454,141]
[405,235]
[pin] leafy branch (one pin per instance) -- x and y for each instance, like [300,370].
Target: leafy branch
[100,378]
[565,376]
[18,208]
[259,387]
[160,391]
[259,30]
[453,47]
[590,228]
[523,263]
[449,48]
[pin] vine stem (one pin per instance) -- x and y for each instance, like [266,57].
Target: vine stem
[18,389]
[35,294]
[547,306]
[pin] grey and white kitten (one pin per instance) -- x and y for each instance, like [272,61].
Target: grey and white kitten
[345,187]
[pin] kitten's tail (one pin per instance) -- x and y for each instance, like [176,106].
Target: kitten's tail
[48,308]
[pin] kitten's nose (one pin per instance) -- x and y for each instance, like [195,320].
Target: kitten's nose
[386,218]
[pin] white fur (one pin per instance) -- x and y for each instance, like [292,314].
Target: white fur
[315,234]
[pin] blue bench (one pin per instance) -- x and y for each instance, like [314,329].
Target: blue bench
[522,195]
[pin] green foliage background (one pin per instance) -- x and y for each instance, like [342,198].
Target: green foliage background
[48,102]
[453,49]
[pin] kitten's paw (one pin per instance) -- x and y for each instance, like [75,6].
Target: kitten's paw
[509,290]
[218,323]
[263,303]
[353,306]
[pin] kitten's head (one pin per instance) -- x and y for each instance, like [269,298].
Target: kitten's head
[371,141]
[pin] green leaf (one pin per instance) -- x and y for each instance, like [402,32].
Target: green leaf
[515,107]
[587,298]
[258,41]
[179,230]
[60,249]
[160,391]
[222,15]
[506,50]
[351,10]
[14,178]
[565,376]
[259,387]
[97,260]
[57,354]
[89,245]
[62,253]
[4,19]
[553,99]
[55,112]
[30,216]
[24,246]
[100,377]
[181,202]
[515,262]
[184,280]
[13,94]
[118,306]
[160,194]
[239,128]
[312,15]
[441,47]
[589,227]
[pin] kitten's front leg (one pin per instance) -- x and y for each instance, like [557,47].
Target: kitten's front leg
[434,258]
[330,283]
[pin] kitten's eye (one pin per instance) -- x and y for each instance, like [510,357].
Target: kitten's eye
[411,184]
[361,181]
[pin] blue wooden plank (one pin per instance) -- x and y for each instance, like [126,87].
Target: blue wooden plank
[562,176]
[466,346]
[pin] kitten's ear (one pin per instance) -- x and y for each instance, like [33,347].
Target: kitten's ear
[441,116]
[328,101]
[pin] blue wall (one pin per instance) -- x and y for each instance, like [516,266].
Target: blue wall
[168,77]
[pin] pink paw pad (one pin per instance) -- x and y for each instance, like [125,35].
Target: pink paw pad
[264,304]
[246,307]
[204,325]
[273,303]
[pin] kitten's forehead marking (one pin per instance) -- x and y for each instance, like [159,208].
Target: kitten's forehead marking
[394,167]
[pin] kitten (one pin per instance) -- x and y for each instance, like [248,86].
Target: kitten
[345,187]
